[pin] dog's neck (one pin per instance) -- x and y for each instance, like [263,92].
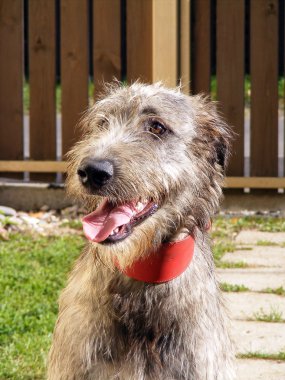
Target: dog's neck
[168,262]
[165,264]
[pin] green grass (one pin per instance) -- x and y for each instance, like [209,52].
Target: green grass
[260,355]
[264,224]
[279,291]
[274,315]
[244,248]
[266,243]
[224,230]
[225,287]
[220,247]
[228,226]
[230,264]
[33,272]
[26,96]
[75,224]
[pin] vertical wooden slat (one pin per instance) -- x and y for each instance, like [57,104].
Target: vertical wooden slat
[42,79]
[139,50]
[201,53]
[185,41]
[11,80]
[74,68]
[164,45]
[264,87]
[230,74]
[152,41]
[106,42]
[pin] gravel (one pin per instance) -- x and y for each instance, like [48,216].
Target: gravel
[43,222]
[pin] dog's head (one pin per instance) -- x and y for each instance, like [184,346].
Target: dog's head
[151,163]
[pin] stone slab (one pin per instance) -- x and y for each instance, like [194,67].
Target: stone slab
[236,200]
[258,256]
[252,237]
[253,278]
[32,196]
[250,369]
[245,305]
[263,337]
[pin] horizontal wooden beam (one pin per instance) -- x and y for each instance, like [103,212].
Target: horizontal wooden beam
[254,182]
[61,166]
[33,166]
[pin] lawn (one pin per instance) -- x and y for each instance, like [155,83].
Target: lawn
[34,270]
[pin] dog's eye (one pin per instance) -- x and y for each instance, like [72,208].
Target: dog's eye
[157,128]
[101,123]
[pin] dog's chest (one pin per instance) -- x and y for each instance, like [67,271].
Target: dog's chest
[143,327]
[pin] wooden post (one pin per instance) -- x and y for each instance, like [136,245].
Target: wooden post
[107,58]
[11,80]
[201,63]
[264,87]
[42,81]
[152,41]
[230,74]
[74,68]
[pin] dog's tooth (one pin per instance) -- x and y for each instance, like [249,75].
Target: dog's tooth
[139,206]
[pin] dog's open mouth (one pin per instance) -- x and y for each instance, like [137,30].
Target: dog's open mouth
[110,223]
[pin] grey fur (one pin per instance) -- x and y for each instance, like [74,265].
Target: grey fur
[113,327]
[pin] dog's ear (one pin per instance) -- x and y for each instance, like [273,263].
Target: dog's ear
[214,133]
[221,145]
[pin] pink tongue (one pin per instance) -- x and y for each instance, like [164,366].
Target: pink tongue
[98,225]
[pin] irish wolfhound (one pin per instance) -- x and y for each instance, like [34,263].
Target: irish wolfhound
[137,306]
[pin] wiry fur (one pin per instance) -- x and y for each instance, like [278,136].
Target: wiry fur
[113,327]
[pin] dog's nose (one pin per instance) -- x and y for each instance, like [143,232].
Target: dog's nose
[95,173]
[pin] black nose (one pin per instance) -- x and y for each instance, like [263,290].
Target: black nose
[95,174]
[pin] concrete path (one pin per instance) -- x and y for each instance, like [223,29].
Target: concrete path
[254,279]
[258,317]
[249,369]
[254,237]
[246,305]
[258,257]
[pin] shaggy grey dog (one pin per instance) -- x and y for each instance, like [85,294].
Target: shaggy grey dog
[159,155]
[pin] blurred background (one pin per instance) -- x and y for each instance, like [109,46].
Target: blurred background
[55,55]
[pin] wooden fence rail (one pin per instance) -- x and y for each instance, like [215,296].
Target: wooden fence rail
[168,40]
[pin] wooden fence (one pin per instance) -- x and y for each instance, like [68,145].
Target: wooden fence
[148,39]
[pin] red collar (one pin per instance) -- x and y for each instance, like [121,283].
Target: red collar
[169,262]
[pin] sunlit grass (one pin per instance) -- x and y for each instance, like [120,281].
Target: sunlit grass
[260,355]
[274,315]
[278,291]
[33,271]
[225,287]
